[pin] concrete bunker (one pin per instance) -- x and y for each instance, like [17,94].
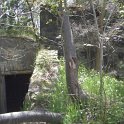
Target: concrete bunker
[17,56]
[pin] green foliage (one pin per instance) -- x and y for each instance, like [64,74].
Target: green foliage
[58,99]
[18,32]
[50,2]
[122,10]
[113,110]
[26,105]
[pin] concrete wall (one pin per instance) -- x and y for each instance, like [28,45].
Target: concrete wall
[17,55]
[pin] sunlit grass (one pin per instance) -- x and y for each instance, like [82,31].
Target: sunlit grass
[113,101]
[89,80]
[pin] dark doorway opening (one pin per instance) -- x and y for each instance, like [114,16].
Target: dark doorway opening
[16,89]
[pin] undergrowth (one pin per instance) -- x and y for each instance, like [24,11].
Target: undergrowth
[26,32]
[113,102]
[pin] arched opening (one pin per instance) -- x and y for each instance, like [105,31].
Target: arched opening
[16,89]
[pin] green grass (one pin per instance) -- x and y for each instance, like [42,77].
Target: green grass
[113,102]
[112,110]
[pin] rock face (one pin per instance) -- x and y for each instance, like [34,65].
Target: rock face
[16,55]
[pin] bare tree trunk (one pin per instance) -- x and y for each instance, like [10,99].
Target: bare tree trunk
[99,51]
[30,116]
[71,62]
[100,59]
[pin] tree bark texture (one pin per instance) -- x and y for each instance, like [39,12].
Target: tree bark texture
[30,116]
[71,62]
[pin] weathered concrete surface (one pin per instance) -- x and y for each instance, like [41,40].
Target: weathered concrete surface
[43,79]
[17,55]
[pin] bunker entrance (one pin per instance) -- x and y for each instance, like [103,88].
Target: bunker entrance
[16,89]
